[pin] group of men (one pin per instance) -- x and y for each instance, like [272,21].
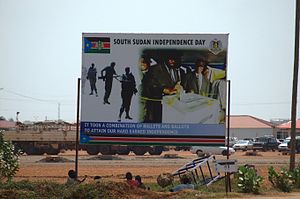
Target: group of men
[167,77]
[128,86]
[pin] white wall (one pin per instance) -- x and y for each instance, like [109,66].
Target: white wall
[250,133]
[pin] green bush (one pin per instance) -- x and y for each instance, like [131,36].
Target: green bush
[248,180]
[296,177]
[20,185]
[32,190]
[283,181]
[9,159]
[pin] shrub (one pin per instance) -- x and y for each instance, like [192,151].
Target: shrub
[283,181]
[165,179]
[21,185]
[27,189]
[9,159]
[248,180]
[296,177]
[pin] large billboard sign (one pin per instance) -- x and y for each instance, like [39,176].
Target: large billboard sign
[153,89]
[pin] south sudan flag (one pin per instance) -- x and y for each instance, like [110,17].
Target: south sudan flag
[96,45]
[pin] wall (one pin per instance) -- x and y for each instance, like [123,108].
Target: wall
[250,133]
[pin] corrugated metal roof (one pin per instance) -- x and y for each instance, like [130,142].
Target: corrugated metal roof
[7,124]
[247,121]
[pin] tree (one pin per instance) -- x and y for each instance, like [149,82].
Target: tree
[2,118]
[9,159]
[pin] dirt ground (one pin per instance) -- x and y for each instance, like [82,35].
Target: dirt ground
[147,166]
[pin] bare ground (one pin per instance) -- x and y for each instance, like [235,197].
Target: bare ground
[147,166]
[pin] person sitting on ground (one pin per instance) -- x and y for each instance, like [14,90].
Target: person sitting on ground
[97,178]
[130,181]
[186,183]
[139,180]
[72,178]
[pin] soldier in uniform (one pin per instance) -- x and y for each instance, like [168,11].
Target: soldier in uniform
[128,89]
[108,78]
[91,76]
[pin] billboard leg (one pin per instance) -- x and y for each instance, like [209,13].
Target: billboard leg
[228,183]
[77,127]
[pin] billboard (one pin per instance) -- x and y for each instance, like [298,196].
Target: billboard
[153,89]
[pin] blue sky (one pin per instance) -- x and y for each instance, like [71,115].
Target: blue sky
[40,48]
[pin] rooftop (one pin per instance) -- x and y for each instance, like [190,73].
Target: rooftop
[7,124]
[287,125]
[247,121]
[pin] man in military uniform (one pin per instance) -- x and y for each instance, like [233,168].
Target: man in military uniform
[108,78]
[91,76]
[128,89]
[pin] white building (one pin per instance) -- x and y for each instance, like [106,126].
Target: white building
[246,126]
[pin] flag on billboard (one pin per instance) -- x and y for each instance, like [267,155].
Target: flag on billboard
[96,45]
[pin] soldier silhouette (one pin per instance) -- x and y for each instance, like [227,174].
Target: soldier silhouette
[128,89]
[108,78]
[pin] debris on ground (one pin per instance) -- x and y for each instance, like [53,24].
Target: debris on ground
[172,156]
[165,179]
[252,153]
[54,159]
[106,157]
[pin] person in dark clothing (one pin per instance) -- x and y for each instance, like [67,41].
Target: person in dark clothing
[91,76]
[128,89]
[162,79]
[72,179]
[108,78]
[139,180]
[97,178]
